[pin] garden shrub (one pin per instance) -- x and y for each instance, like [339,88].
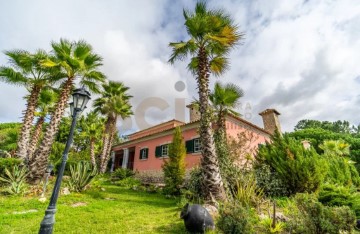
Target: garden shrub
[267,226]
[122,173]
[8,163]
[9,133]
[299,169]
[69,163]
[342,171]
[323,219]
[193,185]
[129,182]
[334,195]
[235,156]
[269,181]
[248,194]
[174,166]
[236,219]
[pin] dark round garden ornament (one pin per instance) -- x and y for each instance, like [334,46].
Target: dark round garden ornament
[196,218]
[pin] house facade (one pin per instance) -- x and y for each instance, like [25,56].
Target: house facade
[147,149]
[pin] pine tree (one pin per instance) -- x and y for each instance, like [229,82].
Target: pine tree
[174,166]
[300,170]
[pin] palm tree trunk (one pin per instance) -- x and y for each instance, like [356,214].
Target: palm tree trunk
[24,137]
[213,187]
[107,149]
[92,152]
[35,137]
[106,140]
[221,125]
[40,160]
[109,145]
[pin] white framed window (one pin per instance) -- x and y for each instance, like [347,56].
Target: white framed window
[165,150]
[144,152]
[197,145]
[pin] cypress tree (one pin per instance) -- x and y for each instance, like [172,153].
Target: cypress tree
[174,166]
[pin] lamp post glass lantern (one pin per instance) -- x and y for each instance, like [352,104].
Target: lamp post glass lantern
[80,99]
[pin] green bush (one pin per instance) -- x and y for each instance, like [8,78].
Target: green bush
[129,182]
[236,219]
[267,226]
[269,181]
[69,163]
[81,175]
[299,169]
[193,185]
[342,171]
[8,163]
[8,139]
[323,219]
[122,173]
[334,195]
[248,194]
[15,180]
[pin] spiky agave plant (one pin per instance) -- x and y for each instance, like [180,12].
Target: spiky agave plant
[81,175]
[15,180]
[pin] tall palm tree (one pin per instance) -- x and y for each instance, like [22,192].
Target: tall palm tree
[93,129]
[113,103]
[78,61]
[224,99]
[46,104]
[212,35]
[25,70]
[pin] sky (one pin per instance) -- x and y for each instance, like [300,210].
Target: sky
[300,57]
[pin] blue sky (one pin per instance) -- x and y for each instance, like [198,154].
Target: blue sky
[299,57]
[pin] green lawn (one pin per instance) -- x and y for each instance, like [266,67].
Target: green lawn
[115,210]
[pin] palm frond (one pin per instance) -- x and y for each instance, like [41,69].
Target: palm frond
[62,49]
[219,65]
[181,49]
[193,65]
[20,59]
[82,49]
[10,76]
[226,97]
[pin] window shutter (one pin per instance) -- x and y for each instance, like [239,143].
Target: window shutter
[147,152]
[189,146]
[158,151]
[141,154]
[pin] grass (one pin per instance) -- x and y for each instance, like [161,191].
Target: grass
[115,210]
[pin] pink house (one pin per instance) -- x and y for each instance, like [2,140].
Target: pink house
[146,150]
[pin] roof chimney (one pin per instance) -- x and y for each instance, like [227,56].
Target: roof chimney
[194,112]
[306,144]
[271,120]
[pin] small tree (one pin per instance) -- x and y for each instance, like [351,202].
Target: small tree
[174,167]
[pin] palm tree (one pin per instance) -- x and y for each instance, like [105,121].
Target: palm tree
[224,99]
[78,61]
[212,35]
[335,148]
[93,129]
[25,70]
[46,104]
[113,103]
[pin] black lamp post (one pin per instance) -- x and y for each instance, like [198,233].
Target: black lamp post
[81,97]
